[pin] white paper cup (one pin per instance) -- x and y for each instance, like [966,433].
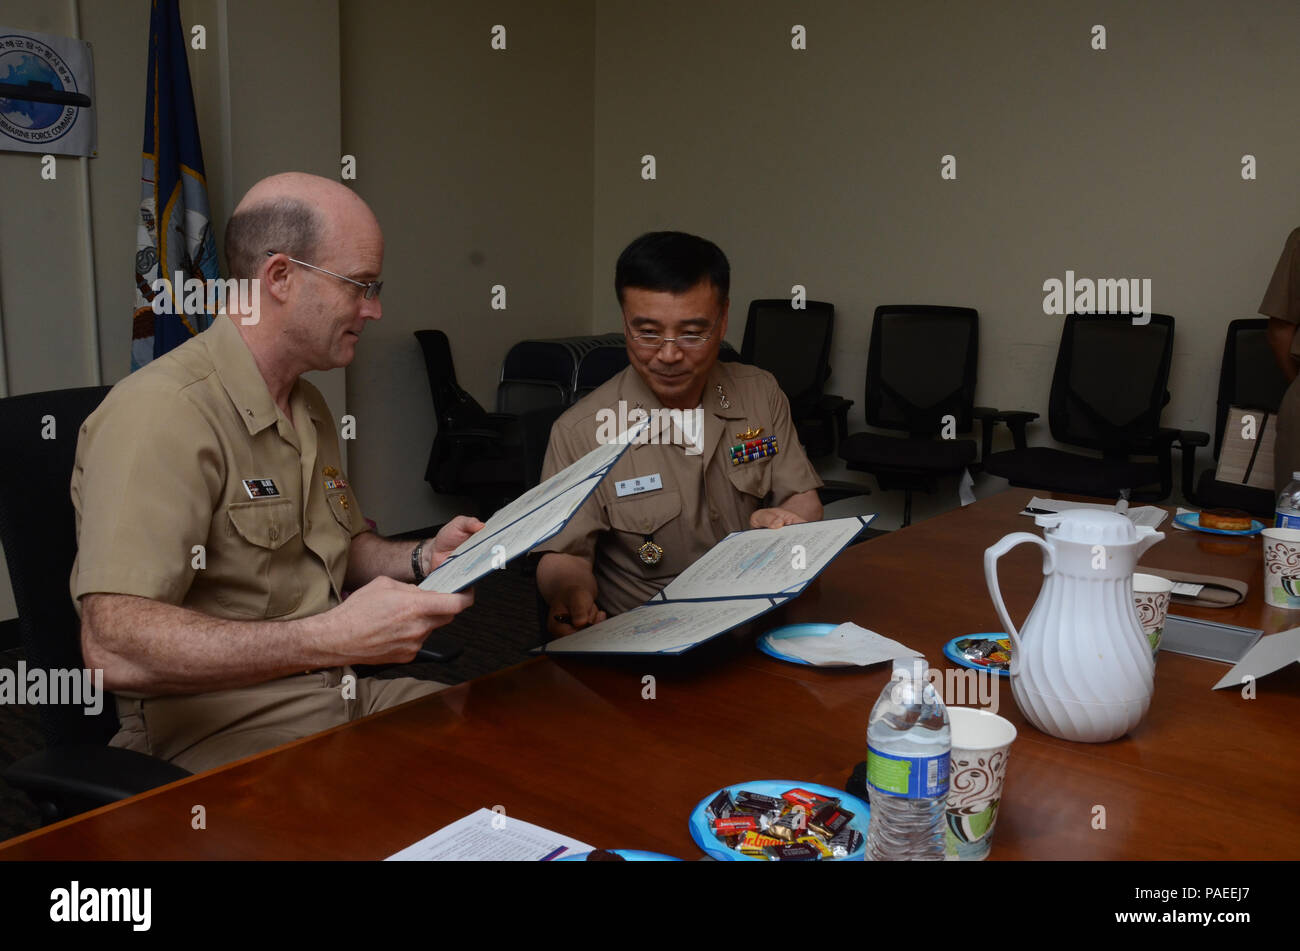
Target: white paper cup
[981,742]
[1282,568]
[1151,595]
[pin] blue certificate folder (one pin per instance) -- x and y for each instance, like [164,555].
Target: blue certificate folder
[742,577]
[529,520]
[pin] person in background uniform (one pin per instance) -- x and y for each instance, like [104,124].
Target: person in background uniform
[720,455]
[216,529]
[1281,305]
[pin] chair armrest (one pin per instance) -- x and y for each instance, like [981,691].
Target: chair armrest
[835,490]
[1190,438]
[86,776]
[1016,420]
[490,435]
[439,649]
[838,407]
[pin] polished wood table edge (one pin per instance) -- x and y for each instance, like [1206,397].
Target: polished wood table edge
[244,761]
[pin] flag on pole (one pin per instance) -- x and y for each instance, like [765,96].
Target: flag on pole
[175,243]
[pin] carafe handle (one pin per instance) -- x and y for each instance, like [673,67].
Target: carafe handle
[991,556]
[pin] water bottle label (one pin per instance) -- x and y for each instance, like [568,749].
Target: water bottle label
[1287,521]
[908,777]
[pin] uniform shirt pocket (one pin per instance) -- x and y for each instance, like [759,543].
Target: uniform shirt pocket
[343,509]
[753,478]
[657,515]
[256,576]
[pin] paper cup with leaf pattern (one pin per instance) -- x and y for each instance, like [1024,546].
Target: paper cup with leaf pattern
[981,742]
[1151,595]
[1282,567]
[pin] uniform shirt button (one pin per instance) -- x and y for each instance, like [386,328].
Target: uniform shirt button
[274,533]
[713,515]
[309,525]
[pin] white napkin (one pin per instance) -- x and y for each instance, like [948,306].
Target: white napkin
[846,646]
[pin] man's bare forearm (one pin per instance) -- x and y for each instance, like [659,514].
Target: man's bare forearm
[370,556]
[149,647]
[558,572]
[807,505]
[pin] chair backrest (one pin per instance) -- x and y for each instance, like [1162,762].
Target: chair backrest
[517,397]
[921,366]
[453,406]
[792,345]
[38,530]
[1111,381]
[599,365]
[1249,376]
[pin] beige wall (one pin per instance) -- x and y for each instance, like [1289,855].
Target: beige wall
[267,94]
[821,167]
[478,164]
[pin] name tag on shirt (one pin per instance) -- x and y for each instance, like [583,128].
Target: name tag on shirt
[260,488]
[638,485]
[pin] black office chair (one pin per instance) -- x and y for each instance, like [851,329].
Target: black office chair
[1108,390]
[1249,378]
[486,456]
[920,371]
[76,771]
[795,347]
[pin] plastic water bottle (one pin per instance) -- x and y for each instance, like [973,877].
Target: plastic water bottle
[1288,504]
[908,742]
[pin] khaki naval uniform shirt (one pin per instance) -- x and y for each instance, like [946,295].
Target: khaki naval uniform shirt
[161,467]
[704,497]
[192,451]
[1282,301]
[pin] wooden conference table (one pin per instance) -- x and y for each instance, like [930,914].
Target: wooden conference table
[571,744]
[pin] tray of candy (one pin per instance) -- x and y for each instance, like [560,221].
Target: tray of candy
[990,652]
[781,820]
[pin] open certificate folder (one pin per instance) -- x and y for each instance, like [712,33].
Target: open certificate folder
[529,520]
[744,575]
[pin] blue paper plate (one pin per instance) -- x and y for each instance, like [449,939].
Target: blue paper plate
[954,654]
[632,855]
[1191,520]
[705,839]
[769,642]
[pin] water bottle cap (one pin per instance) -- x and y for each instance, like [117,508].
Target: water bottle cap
[912,667]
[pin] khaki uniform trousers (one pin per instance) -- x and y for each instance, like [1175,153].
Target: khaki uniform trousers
[203,731]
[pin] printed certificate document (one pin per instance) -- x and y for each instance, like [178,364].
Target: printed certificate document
[529,520]
[741,577]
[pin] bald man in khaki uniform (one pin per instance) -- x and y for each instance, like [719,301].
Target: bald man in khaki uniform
[668,501]
[216,528]
[1282,305]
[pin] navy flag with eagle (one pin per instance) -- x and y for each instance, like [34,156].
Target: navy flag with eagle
[175,231]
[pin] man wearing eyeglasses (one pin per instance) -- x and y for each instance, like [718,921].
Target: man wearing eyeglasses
[670,499]
[216,528]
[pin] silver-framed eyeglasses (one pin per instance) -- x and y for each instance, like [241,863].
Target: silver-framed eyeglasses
[685,341]
[370,289]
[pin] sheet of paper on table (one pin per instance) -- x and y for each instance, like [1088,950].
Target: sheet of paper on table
[529,520]
[1142,515]
[1269,654]
[846,645]
[758,570]
[487,836]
